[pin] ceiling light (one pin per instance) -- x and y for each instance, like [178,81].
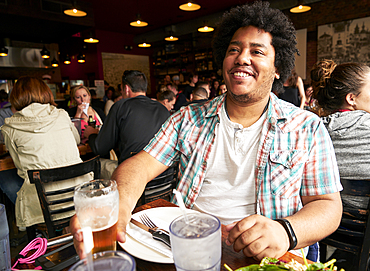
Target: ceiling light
[54,63]
[67,60]
[3,51]
[81,58]
[45,53]
[75,11]
[138,22]
[206,29]
[171,38]
[144,44]
[300,9]
[190,6]
[91,39]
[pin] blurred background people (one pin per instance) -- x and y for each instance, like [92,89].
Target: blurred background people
[38,136]
[214,88]
[294,90]
[193,78]
[167,98]
[3,98]
[221,89]
[199,96]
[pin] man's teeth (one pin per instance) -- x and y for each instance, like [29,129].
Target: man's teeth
[241,74]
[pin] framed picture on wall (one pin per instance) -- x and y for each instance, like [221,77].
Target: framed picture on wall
[346,41]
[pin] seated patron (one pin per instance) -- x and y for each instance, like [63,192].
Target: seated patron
[342,92]
[38,136]
[199,96]
[84,108]
[167,98]
[246,157]
[294,90]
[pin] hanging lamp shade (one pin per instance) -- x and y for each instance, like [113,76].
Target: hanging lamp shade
[74,10]
[45,53]
[144,44]
[138,22]
[206,29]
[91,39]
[189,6]
[81,58]
[300,8]
[171,37]
[54,63]
[3,51]
[67,60]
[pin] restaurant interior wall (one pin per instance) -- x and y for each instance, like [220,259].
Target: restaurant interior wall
[325,12]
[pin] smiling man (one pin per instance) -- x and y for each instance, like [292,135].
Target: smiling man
[263,167]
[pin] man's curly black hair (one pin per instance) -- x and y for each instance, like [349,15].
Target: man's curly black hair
[273,21]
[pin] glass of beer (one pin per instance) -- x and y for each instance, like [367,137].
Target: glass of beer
[97,205]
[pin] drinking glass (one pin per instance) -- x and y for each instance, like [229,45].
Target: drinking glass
[196,242]
[97,204]
[107,260]
[4,240]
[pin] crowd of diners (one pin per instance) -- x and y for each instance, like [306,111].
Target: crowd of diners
[257,149]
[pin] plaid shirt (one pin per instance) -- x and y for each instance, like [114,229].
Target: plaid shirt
[295,155]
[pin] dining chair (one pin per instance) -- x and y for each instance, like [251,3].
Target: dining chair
[160,187]
[353,233]
[57,204]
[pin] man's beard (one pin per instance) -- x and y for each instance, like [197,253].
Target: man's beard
[255,96]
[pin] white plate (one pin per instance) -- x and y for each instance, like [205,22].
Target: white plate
[138,250]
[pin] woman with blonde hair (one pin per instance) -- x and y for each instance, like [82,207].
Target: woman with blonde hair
[84,110]
[294,90]
[38,136]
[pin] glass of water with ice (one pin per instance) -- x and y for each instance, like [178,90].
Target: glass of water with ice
[196,242]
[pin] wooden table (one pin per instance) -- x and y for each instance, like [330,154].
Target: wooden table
[229,256]
[6,162]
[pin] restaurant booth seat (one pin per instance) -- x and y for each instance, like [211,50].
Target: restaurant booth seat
[57,205]
[353,233]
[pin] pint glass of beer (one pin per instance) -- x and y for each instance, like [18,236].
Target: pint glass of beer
[97,204]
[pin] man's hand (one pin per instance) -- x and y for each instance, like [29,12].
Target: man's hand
[75,227]
[90,130]
[258,237]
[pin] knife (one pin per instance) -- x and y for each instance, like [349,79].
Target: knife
[156,234]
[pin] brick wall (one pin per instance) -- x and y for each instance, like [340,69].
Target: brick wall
[325,12]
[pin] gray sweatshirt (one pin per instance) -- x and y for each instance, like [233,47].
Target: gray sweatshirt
[350,133]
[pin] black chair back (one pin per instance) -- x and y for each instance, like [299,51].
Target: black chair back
[353,234]
[57,205]
[161,187]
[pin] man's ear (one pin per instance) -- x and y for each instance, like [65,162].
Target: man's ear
[277,74]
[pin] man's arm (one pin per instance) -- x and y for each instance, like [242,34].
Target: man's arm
[259,236]
[131,176]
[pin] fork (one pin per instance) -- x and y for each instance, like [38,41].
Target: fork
[148,222]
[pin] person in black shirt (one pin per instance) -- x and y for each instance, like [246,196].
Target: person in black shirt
[131,122]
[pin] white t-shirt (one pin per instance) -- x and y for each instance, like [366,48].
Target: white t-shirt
[228,190]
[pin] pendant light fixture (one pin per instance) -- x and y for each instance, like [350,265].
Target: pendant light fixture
[138,22]
[300,8]
[3,51]
[81,58]
[171,38]
[144,44]
[75,11]
[206,29]
[67,60]
[189,6]
[45,53]
[91,39]
[54,63]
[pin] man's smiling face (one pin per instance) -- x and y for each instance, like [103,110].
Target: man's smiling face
[248,67]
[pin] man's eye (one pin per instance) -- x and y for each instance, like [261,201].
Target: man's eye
[233,50]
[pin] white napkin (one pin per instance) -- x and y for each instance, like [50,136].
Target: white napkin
[146,238]
[85,109]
